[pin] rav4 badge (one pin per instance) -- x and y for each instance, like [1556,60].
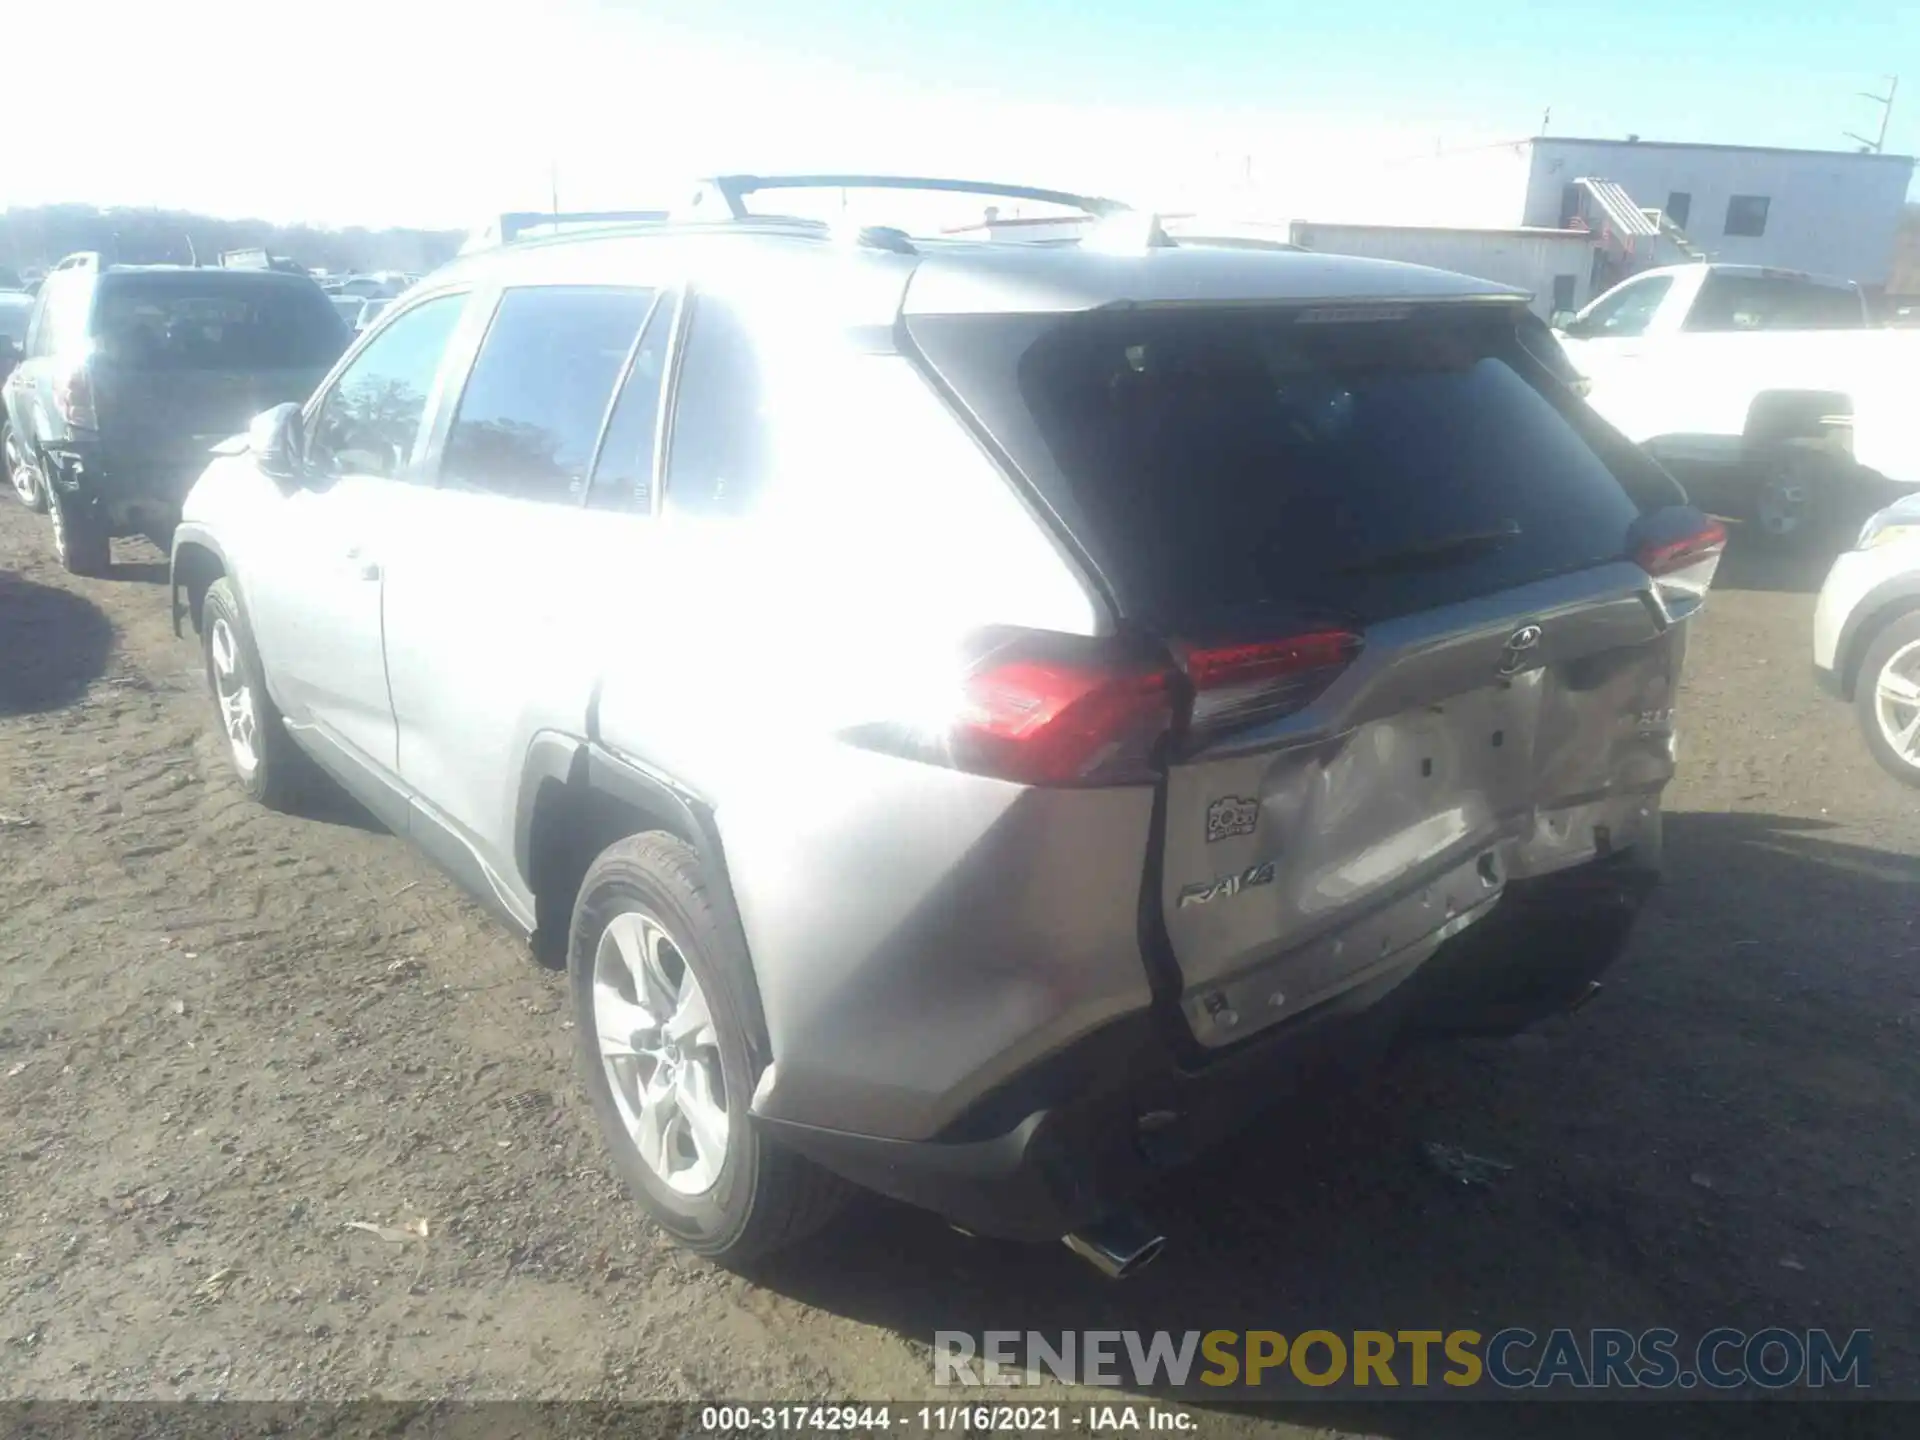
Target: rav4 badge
[1203,892]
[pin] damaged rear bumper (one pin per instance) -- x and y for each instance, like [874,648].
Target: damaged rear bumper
[1071,1139]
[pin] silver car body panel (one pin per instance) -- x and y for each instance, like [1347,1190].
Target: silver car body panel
[920,935]
[1392,811]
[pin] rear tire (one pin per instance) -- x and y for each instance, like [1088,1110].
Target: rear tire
[1887,699]
[1795,499]
[663,1006]
[270,767]
[80,540]
[22,473]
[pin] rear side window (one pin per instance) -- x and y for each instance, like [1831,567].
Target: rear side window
[189,321]
[60,321]
[719,458]
[1216,463]
[532,408]
[1767,302]
[623,475]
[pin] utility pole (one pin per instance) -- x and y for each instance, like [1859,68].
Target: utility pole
[1878,144]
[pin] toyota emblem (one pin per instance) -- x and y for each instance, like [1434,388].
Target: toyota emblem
[1520,644]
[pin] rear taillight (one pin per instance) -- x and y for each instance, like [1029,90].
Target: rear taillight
[1680,548]
[1056,710]
[1665,556]
[1055,721]
[73,398]
[1237,684]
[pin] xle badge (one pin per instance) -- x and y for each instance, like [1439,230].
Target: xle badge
[1229,816]
[1205,891]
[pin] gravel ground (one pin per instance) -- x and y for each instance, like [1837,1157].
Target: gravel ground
[228,1036]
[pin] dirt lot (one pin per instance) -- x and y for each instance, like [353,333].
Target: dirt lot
[226,1034]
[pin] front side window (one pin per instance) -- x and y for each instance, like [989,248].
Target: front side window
[371,417]
[1625,313]
[531,411]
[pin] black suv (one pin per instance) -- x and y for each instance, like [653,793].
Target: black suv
[132,373]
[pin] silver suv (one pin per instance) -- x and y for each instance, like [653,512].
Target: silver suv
[976,719]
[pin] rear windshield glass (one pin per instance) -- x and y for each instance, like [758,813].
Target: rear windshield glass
[1219,462]
[187,322]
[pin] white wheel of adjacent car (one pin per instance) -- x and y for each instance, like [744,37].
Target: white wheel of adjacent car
[1887,695]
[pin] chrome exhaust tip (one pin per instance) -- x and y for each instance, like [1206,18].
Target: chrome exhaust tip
[1118,1245]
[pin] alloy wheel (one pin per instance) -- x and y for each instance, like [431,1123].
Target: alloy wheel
[1896,702]
[235,697]
[21,470]
[661,1052]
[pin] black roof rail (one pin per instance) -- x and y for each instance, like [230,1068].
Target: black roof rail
[732,190]
[83,260]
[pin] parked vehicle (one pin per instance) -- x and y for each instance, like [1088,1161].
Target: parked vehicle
[976,719]
[131,373]
[15,310]
[1768,391]
[1866,635]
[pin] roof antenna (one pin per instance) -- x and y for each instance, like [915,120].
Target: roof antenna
[193,255]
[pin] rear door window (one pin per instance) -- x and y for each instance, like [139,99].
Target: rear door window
[533,406]
[1215,463]
[1769,302]
[189,321]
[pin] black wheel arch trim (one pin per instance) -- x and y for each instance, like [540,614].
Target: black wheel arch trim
[188,532]
[1878,608]
[591,765]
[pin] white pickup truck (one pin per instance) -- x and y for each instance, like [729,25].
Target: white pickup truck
[1770,393]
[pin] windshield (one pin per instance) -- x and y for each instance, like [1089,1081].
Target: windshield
[188,321]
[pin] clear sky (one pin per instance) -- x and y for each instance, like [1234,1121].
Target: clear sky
[437,112]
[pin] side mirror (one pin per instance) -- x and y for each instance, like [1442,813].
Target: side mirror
[1563,321]
[277,441]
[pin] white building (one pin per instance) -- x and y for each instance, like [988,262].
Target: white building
[1828,212]
[1567,218]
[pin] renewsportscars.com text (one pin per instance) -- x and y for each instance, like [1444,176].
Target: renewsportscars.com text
[1513,1359]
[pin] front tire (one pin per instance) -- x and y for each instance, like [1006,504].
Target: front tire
[270,767]
[22,473]
[80,540]
[1887,699]
[663,1000]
